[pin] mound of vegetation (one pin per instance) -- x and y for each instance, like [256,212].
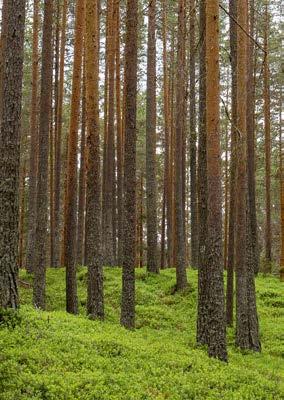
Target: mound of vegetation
[52,355]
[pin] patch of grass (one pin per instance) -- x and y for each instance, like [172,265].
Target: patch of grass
[53,355]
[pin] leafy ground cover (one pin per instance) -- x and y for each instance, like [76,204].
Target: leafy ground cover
[52,355]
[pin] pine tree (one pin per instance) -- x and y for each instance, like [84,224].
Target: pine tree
[266,97]
[95,303]
[58,144]
[32,189]
[179,142]
[11,92]
[202,314]
[129,224]
[232,210]
[213,252]
[151,183]
[247,336]
[42,169]
[71,192]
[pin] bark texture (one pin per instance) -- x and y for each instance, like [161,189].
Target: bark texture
[95,303]
[266,96]
[71,192]
[129,225]
[13,55]
[193,138]
[202,314]
[33,145]
[247,336]
[179,136]
[233,167]
[214,265]
[43,140]
[251,142]
[151,180]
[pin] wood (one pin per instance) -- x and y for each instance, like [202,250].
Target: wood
[71,192]
[127,318]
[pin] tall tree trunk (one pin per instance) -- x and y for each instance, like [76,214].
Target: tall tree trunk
[109,159]
[95,303]
[53,144]
[202,315]
[71,194]
[179,132]
[172,254]
[13,55]
[281,190]
[151,181]
[163,230]
[214,266]
[226,184]
[193,174]
[4,32]
[33,145]
[82,178]
[251,142]
[266,96]
[58,145]
[233,166]
[129,224]
[247,336]
[22,203]
[43,141]
[166,112]
[119,142]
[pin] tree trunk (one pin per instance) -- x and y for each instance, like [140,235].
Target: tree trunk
[167,167]
[71,194]
[213,252]
[53,140]
[281,191]
[266,97]
[95,303]
[13,55]
[22,203]
[33,146]
[233,166]
[109,159]
[246,315]
[151,182]
[42,170]
[202,315]
[251,142]
[58,144]
[82,178]
[193,175]
[179,132]
[128,275]
[119,142]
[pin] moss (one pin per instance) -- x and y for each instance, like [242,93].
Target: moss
[53,355]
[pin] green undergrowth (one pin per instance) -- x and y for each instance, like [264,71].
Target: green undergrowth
[53,355]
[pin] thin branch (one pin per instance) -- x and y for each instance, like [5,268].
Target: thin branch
[242,28]
[230,119]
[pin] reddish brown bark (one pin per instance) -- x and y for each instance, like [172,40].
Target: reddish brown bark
[151,183]
[33,145]
[11,90]
[43,143]
[179,142]
[71,192]
[213,252]
[58,144]
[128,275]
[95,303]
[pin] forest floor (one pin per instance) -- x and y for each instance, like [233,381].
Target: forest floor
[53,355]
